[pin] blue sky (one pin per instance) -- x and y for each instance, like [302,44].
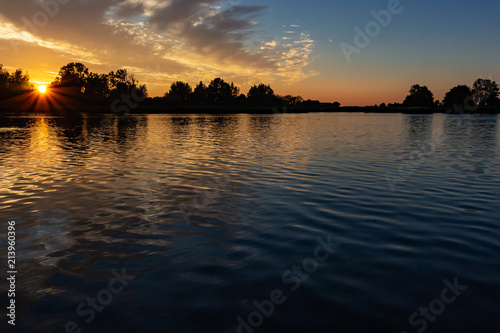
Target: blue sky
[435,43]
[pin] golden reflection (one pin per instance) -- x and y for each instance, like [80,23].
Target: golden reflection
[44,145]
[40,153]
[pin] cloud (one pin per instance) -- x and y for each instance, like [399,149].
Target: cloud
[269,45]
[186,39]
[130,10]
[179,12]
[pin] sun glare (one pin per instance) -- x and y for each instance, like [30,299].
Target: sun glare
[42,89]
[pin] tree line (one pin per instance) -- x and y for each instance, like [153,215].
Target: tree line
[220,92]
[14,84]
[87,88]
[76,80]
[483,92]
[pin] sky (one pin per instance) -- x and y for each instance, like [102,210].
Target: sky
[357,52]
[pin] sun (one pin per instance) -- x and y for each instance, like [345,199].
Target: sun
[42,89]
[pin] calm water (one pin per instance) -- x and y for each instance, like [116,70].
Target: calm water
[207,214]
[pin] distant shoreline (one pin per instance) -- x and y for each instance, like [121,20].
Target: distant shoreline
[209,109]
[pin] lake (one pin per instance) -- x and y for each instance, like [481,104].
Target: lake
[253,223]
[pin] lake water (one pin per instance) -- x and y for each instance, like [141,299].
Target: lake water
[253,223]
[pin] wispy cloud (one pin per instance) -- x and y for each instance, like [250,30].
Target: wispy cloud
[185,39]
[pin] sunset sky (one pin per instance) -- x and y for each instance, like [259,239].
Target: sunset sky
[293,45]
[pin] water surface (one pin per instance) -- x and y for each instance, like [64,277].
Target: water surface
[210,213]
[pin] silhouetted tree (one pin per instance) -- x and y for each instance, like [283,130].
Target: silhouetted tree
[4,82]
[262,94]
[336,104]
[180,91]
[200,93]
[235,91]
[19,83]
[457,96]
[123,84]
[4,77]
[97,86]
[292,100]
[260,91]
[77,78]
[73,75]
[419,96]
[241,98]
[141,91]
[485,92]
[219,90]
